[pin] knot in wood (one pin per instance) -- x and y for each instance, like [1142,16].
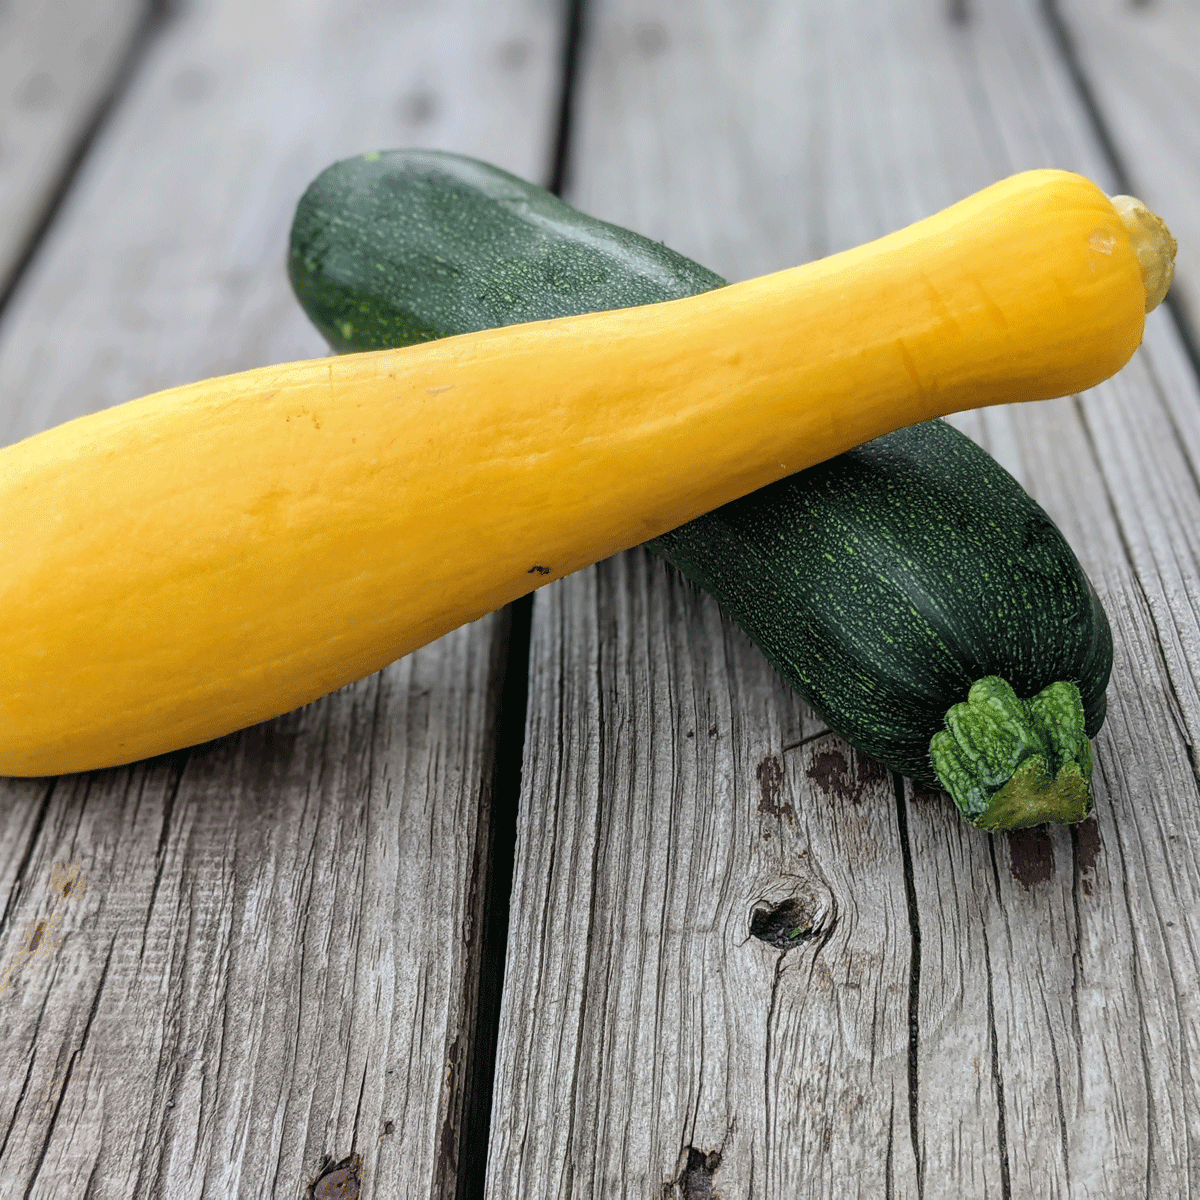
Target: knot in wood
[695,1180]
[805,915]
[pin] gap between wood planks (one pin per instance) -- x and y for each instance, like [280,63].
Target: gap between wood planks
[510,754]
[155,17]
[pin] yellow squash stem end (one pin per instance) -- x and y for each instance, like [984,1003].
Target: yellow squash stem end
[1153,244]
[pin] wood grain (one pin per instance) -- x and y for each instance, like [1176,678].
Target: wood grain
[975,1016]
[270,959]
[58,63]
[225,970]
[674,789]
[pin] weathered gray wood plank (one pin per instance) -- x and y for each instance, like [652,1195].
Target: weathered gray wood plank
[637,1007]
[1142,67]
[1050,978]
[222,968]
[271,959]
[57,63]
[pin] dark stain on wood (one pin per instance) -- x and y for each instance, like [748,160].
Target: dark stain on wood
[66,878]
[34,935]
[192,85]
[1088,848]
[834,774]
[924,795]
[651,39]
[515,53]
[1031,856]
[37,92]
[338,1181]
[418,107]
[695,1181]
[43,936]
[448,1148]
[447,1168]
[769,773]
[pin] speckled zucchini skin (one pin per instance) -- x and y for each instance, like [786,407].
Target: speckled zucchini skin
[404,246]
[882,584]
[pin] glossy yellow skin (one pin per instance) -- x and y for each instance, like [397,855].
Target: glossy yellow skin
[190,563]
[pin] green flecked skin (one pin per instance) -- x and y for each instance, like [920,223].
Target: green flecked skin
[883,584]
[887,581]
[403,246]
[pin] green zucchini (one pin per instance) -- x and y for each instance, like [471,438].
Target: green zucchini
[389,249]
[910,589]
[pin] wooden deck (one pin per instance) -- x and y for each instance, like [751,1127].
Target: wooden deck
[480,925]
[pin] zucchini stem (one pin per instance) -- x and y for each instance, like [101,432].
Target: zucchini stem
[1153,244]
[1010,763]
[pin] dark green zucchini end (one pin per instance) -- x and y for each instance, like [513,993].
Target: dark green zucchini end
[1010,763]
